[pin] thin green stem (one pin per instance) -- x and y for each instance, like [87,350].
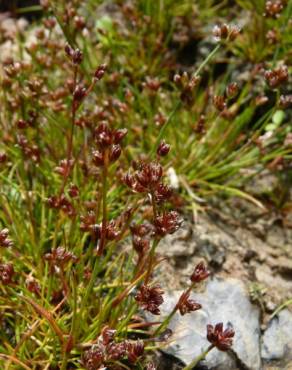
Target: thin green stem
[198,358]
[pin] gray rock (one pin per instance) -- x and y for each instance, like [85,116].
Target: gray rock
[277,339]
[223,301]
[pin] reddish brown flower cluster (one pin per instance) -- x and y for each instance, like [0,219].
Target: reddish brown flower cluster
[59,257]
[148,179]
[276,77]
[6,273]
[75,56]
[64,167]
[186,305]
[4,239]
[150,298]
[88,224]
[200,126]
[285,101]
[219,102]
[226,31]
[32,285]
[167,223]
[62,203]
[109,143]
[272,36]
[273,8]
[200,273]
[220,339]
[187,84]
[29,150]
[107,350]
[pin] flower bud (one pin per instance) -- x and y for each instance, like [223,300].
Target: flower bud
[100,71]
[115,153]
[163,149]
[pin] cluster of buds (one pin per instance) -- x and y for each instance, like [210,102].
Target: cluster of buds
[59,257]
[167,223]
[220,101]
[62,203]
[32,285]
[153,84]
[148,179]
[30,122]
[88,224]
[200,126]
[108,350]
[73,191]
[6,273]
[109,144]
[200,273]
[277,76]
[272,36]
[273,8]
[64,167]
[187,85]
[150,298]
[226,32]
[75,55]
[4,239]
[285,101]
[219,338]
[30,151]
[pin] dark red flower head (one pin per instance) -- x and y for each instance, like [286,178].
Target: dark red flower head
[106,137]
[60,257]
[94,357]
[200,273]
[149,175]
[219,338]
[167,223]
[150,298]
[186,305]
